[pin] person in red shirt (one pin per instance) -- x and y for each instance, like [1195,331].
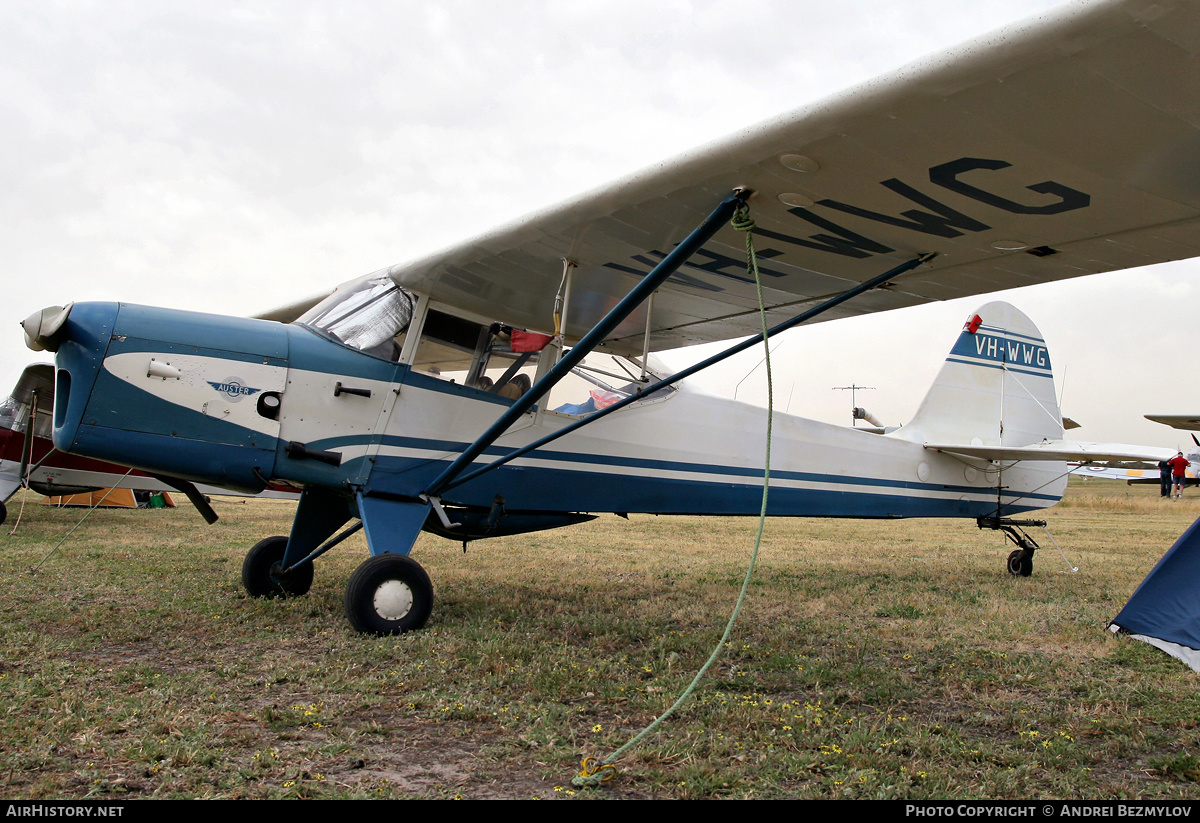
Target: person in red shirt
[1178,465]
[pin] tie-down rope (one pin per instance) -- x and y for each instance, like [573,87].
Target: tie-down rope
[593,772]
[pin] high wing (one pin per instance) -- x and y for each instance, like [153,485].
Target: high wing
[36,378]
[1188,422]
[1064,147]
[288,313]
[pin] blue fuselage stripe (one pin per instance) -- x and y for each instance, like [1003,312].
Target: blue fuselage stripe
[740,473]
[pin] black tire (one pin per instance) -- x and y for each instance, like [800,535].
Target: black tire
[260,571]
[389,594]
[3,512]
[1020,564]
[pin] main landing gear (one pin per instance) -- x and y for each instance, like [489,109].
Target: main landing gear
[387,594]
[262,571]
[1020,561]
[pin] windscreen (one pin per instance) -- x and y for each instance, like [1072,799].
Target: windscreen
[365,313]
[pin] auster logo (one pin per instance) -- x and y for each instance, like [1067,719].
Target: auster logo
[233,388]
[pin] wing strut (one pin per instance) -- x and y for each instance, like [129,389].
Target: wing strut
[27,444]
[637,295]
[704,364]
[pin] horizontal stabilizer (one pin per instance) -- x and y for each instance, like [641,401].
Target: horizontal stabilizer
[1061,451]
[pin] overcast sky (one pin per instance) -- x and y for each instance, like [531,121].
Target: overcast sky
[232,157]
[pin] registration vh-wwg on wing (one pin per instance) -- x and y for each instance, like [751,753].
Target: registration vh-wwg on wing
[507,384]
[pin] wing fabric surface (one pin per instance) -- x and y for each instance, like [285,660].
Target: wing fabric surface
[39,378]
[1187,422]
[1065,147]
[289,313]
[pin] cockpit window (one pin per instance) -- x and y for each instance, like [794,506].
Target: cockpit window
[9,409]
[603,379]
[15,415]
[493,358]
[370,314]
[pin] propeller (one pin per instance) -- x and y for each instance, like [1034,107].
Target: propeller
[42,327]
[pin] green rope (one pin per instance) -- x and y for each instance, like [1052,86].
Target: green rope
[593,772]
[86,515]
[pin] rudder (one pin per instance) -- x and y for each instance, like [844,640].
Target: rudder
[995,388]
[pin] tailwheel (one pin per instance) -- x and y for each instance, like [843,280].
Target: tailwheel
[262,571]
[1020,563]
[389,594]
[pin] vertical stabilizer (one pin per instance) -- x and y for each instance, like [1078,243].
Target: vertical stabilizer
[995,388]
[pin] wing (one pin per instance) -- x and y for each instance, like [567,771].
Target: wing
[39,378]
[288,313]
[1065,147]
[1176,421]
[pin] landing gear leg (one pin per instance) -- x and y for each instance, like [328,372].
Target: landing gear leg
[389,593]
[318,516]
[1020,562]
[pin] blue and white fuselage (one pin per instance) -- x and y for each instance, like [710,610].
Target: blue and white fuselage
[365,431]
[683,452]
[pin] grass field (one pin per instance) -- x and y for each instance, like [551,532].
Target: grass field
[872,660]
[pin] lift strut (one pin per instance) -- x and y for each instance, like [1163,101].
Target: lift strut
[637,295]
[837,300]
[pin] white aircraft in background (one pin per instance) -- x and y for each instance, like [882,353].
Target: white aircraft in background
[1151,474]
[1137,475]
[1063,148]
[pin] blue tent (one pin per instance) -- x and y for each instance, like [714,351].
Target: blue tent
[1165,609]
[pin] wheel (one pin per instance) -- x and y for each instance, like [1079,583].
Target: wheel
[1020,564]
[389,594]
[3,512]
[260,571]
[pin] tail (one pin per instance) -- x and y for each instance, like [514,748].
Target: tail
[995,389]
